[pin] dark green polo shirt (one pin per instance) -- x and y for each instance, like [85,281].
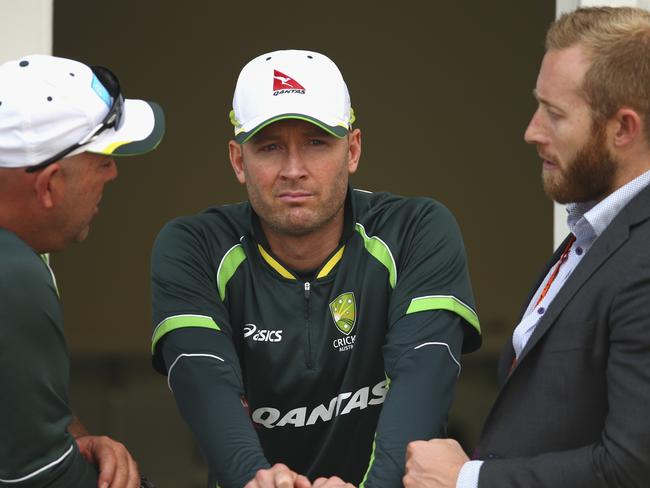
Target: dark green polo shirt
[35,446]
[312,360]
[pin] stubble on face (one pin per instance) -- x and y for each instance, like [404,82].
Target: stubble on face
[86,176]
[589,176]
[305,218]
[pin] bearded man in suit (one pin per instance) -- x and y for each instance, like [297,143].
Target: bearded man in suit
[572,410]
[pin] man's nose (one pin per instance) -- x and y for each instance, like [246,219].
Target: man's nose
[294,165]
[535,133]
[112,174]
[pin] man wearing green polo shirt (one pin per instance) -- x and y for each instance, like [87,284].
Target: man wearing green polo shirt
[61,124]
[313,331]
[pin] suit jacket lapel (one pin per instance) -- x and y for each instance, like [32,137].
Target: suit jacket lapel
[552,262]
[604,246]
[615,235]
[508,353]
[610,240]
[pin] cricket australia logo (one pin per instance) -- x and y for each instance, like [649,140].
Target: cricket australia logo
[344,312]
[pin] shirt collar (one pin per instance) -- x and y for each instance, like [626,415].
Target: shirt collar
[326,267]
[591,218]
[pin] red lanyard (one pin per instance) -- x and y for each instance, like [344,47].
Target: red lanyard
[563,258]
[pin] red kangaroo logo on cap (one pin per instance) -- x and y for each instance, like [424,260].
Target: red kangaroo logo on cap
[284,82]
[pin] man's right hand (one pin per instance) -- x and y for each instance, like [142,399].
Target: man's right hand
[278,476]
[433,464]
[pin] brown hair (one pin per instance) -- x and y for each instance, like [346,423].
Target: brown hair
[617,41]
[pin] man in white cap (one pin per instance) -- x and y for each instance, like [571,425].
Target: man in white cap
[282,321]
[61,123]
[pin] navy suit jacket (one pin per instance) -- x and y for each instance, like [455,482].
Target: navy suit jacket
[575,411]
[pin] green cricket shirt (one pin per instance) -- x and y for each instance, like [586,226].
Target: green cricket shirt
[312,361]
[36,449]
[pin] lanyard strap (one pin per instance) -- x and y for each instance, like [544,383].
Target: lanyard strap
[563,258]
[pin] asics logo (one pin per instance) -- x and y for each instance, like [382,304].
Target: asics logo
[249,330]
[261,335]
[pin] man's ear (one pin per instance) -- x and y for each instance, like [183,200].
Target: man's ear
[354,150]
[47,185]
[236,152]
[627,126]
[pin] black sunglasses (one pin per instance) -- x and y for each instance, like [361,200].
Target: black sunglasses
[113,118]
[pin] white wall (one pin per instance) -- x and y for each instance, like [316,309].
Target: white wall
[562,6]
[26,28]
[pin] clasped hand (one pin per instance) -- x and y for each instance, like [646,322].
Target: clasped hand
[280,476]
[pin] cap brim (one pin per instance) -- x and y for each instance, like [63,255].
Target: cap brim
[142,128]
[337,131]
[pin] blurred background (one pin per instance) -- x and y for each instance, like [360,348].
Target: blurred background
[442,92]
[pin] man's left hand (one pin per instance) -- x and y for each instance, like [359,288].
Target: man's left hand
[433,464]
[333,482]
[278,476]
[117,468]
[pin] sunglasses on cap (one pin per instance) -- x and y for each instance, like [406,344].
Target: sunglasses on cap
[113,118]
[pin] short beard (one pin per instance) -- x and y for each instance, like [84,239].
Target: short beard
[589,176]
[295,230]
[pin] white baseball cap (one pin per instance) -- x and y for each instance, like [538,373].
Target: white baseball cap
[52,107]
[291,84]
